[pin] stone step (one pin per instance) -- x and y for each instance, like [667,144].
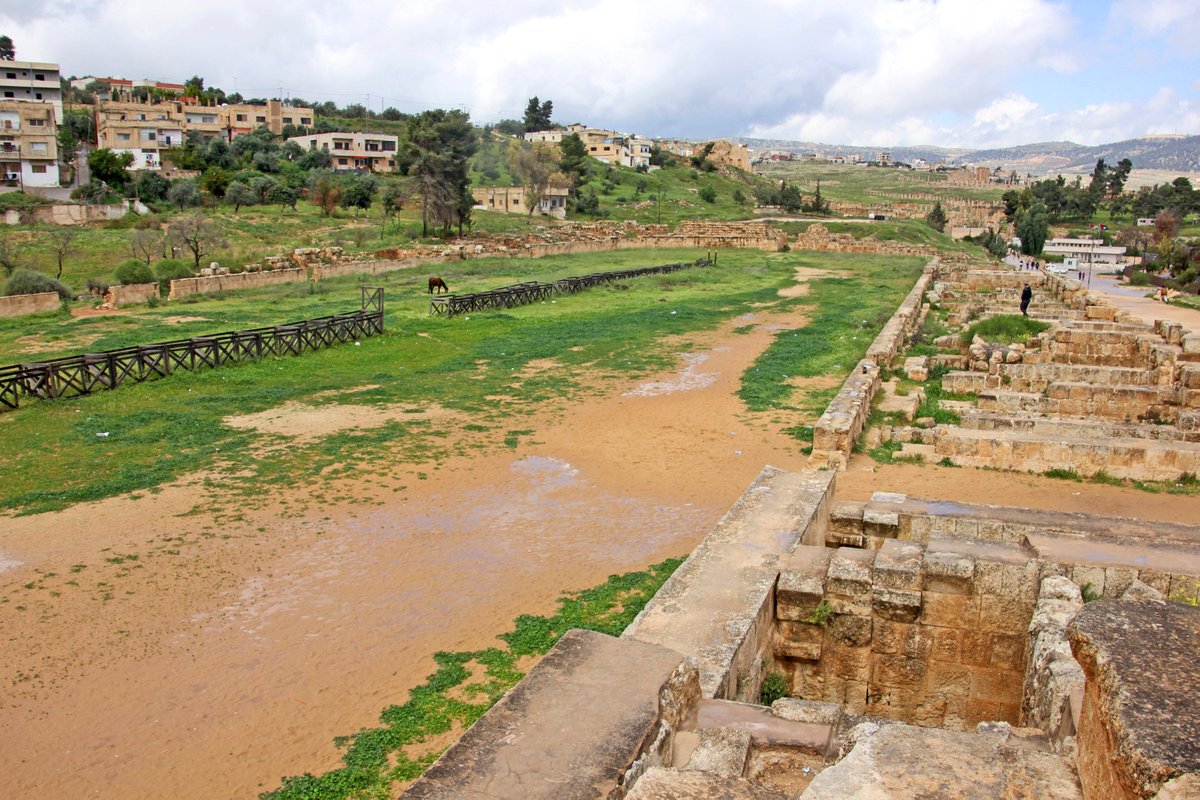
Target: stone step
[1031,451]
[660,783]
[979,419]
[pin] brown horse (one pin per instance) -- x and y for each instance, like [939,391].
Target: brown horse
[437,283]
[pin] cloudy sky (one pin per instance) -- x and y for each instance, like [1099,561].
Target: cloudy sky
[966,73]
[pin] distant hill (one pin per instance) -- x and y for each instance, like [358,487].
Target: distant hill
[1171,153]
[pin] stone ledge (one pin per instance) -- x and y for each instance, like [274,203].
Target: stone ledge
[1140,716]
[584,717]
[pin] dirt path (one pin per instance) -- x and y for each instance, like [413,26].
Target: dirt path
[159,655]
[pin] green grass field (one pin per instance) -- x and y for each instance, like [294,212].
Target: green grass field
[162,430]
[855,184]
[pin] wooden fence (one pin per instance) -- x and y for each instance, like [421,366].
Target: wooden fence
[519,294]
[83,374]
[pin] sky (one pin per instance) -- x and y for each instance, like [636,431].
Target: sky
[954,73]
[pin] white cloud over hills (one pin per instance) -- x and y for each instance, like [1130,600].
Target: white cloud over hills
[874,72]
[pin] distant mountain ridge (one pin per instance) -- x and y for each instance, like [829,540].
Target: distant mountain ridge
[1172,153]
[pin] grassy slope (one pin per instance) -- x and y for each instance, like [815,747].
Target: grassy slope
[850,184]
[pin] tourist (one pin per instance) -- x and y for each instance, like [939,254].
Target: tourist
[1026,297]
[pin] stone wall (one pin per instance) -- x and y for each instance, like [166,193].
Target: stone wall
[184,287]
[926,634]
[72,214]
[818,237]
[133,294]
[18,305]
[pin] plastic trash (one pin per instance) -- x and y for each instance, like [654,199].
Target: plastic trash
[103,434]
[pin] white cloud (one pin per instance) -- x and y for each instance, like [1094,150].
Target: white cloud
[1176,20]
[877,72]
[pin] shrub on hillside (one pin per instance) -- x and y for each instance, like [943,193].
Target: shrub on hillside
[133,271]
[27,281]
[169,269]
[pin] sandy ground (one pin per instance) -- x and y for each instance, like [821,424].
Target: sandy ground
[148,653]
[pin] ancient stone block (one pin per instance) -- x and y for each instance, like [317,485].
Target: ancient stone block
[1008,652]
[950,610]
[899,671]
[947,645]
[798,651]
[896,604]
[851,663]
[850,572]
[1004,615]
[850,630]
[976,648]
[899,565]
[881,524]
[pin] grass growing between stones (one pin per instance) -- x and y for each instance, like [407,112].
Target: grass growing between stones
[1004,329]
[379,758]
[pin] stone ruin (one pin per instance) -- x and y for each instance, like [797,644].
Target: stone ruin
[926,648]
[1099,392]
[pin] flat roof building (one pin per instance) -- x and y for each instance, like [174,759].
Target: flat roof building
[354,152]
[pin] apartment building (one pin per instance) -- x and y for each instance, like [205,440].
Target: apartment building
[511,200]
[1088,251]
[140,129]
[28,144]
[144,129]
[33,82]
[354,152]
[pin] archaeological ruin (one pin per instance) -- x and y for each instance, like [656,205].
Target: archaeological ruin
[919,646]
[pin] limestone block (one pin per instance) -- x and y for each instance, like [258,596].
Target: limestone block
[950,610]
[896,604]
[880,523]
[949,572]
[798,651]
[850,572]
[1141,591]
[852,663]
[899,565]
[1190,343]
[976,648]
[801,584]
[1001,614]
[721,751]
[899,671]
[850,630]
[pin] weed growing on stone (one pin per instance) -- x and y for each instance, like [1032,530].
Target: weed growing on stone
[1064,473]
[821,614]
[376,759]
[774,686]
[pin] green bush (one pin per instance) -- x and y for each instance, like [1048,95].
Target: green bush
[708,194]
[27,281]
[1139,279]
[169,269]
[133,271]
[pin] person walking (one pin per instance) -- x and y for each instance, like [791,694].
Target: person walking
[1026,297]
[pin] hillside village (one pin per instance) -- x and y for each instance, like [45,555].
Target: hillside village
[605,464]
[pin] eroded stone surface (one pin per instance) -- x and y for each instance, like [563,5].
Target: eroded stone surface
[901,761]
[1140,715]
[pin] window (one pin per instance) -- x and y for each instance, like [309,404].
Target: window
[306,120]
[39,169]
[37,95]
[260,119]
[12,76]
[241,117]
[148,136]
[287,120]
[389,146]
[37,147]
[9,94]
[37,77]
[122,137]
[37,123]
[343,161]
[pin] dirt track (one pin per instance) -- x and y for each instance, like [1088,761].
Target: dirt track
[223,657]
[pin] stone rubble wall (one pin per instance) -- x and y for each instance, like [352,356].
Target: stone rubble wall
[133,294]
[19,305]
[818,237]
[184,287]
